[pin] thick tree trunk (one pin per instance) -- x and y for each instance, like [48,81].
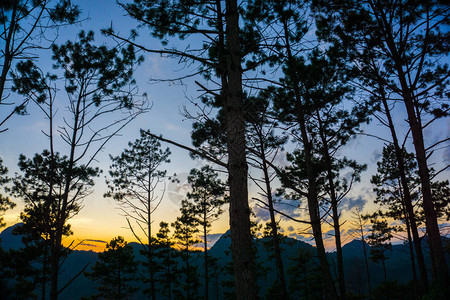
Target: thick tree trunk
[241,239]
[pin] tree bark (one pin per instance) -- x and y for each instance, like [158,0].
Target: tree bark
[241,239]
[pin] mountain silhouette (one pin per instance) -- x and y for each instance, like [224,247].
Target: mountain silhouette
[398,264]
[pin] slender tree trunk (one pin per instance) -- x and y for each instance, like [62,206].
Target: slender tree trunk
[205,253]
[407,199]
[411,252]
[313,204]
[335,212]
[8,56]
[275,237]
[150,240]
[188,275]
[440,266]
[62,213]
[383,260]
[241,239]
[366,261]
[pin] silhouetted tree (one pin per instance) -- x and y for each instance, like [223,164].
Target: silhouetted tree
[168,266]
[28,26]
[380,241]
[305,276]
[41,187]
[398,45]
[5,204]
[221,52]
[99,85]
[402,170]
[359,223]
[391,194]
[185,229]
[208,197]
[135,178]
[114,271]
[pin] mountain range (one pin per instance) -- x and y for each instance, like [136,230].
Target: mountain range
[398,265]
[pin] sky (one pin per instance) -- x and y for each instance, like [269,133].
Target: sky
[100,220]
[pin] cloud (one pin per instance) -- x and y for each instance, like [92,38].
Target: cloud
[446,155]
[349,203]
[290,228]
[376,155]
[329,234]
[95,241]
[262,214]
[288,207]
[79,221]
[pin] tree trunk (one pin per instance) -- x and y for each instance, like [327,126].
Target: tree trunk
[407,199]
[205,254]
[150,240]
[8,56]
[241,239]
[440,266]
[366,261]
[313,204]
[411,252]
[334,208]
[275,237]
[188,275]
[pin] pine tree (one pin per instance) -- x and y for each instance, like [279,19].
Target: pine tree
[114,271]
[26,27]
[98,83]
[221,52]
[305,280]
[185,229]
[359,224]
[398,46]
[208,197]
[5,202]
[379,240]
[42,190]
[164,251]
[135,178]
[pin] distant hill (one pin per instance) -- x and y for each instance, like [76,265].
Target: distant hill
[8,240]
[398,264]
